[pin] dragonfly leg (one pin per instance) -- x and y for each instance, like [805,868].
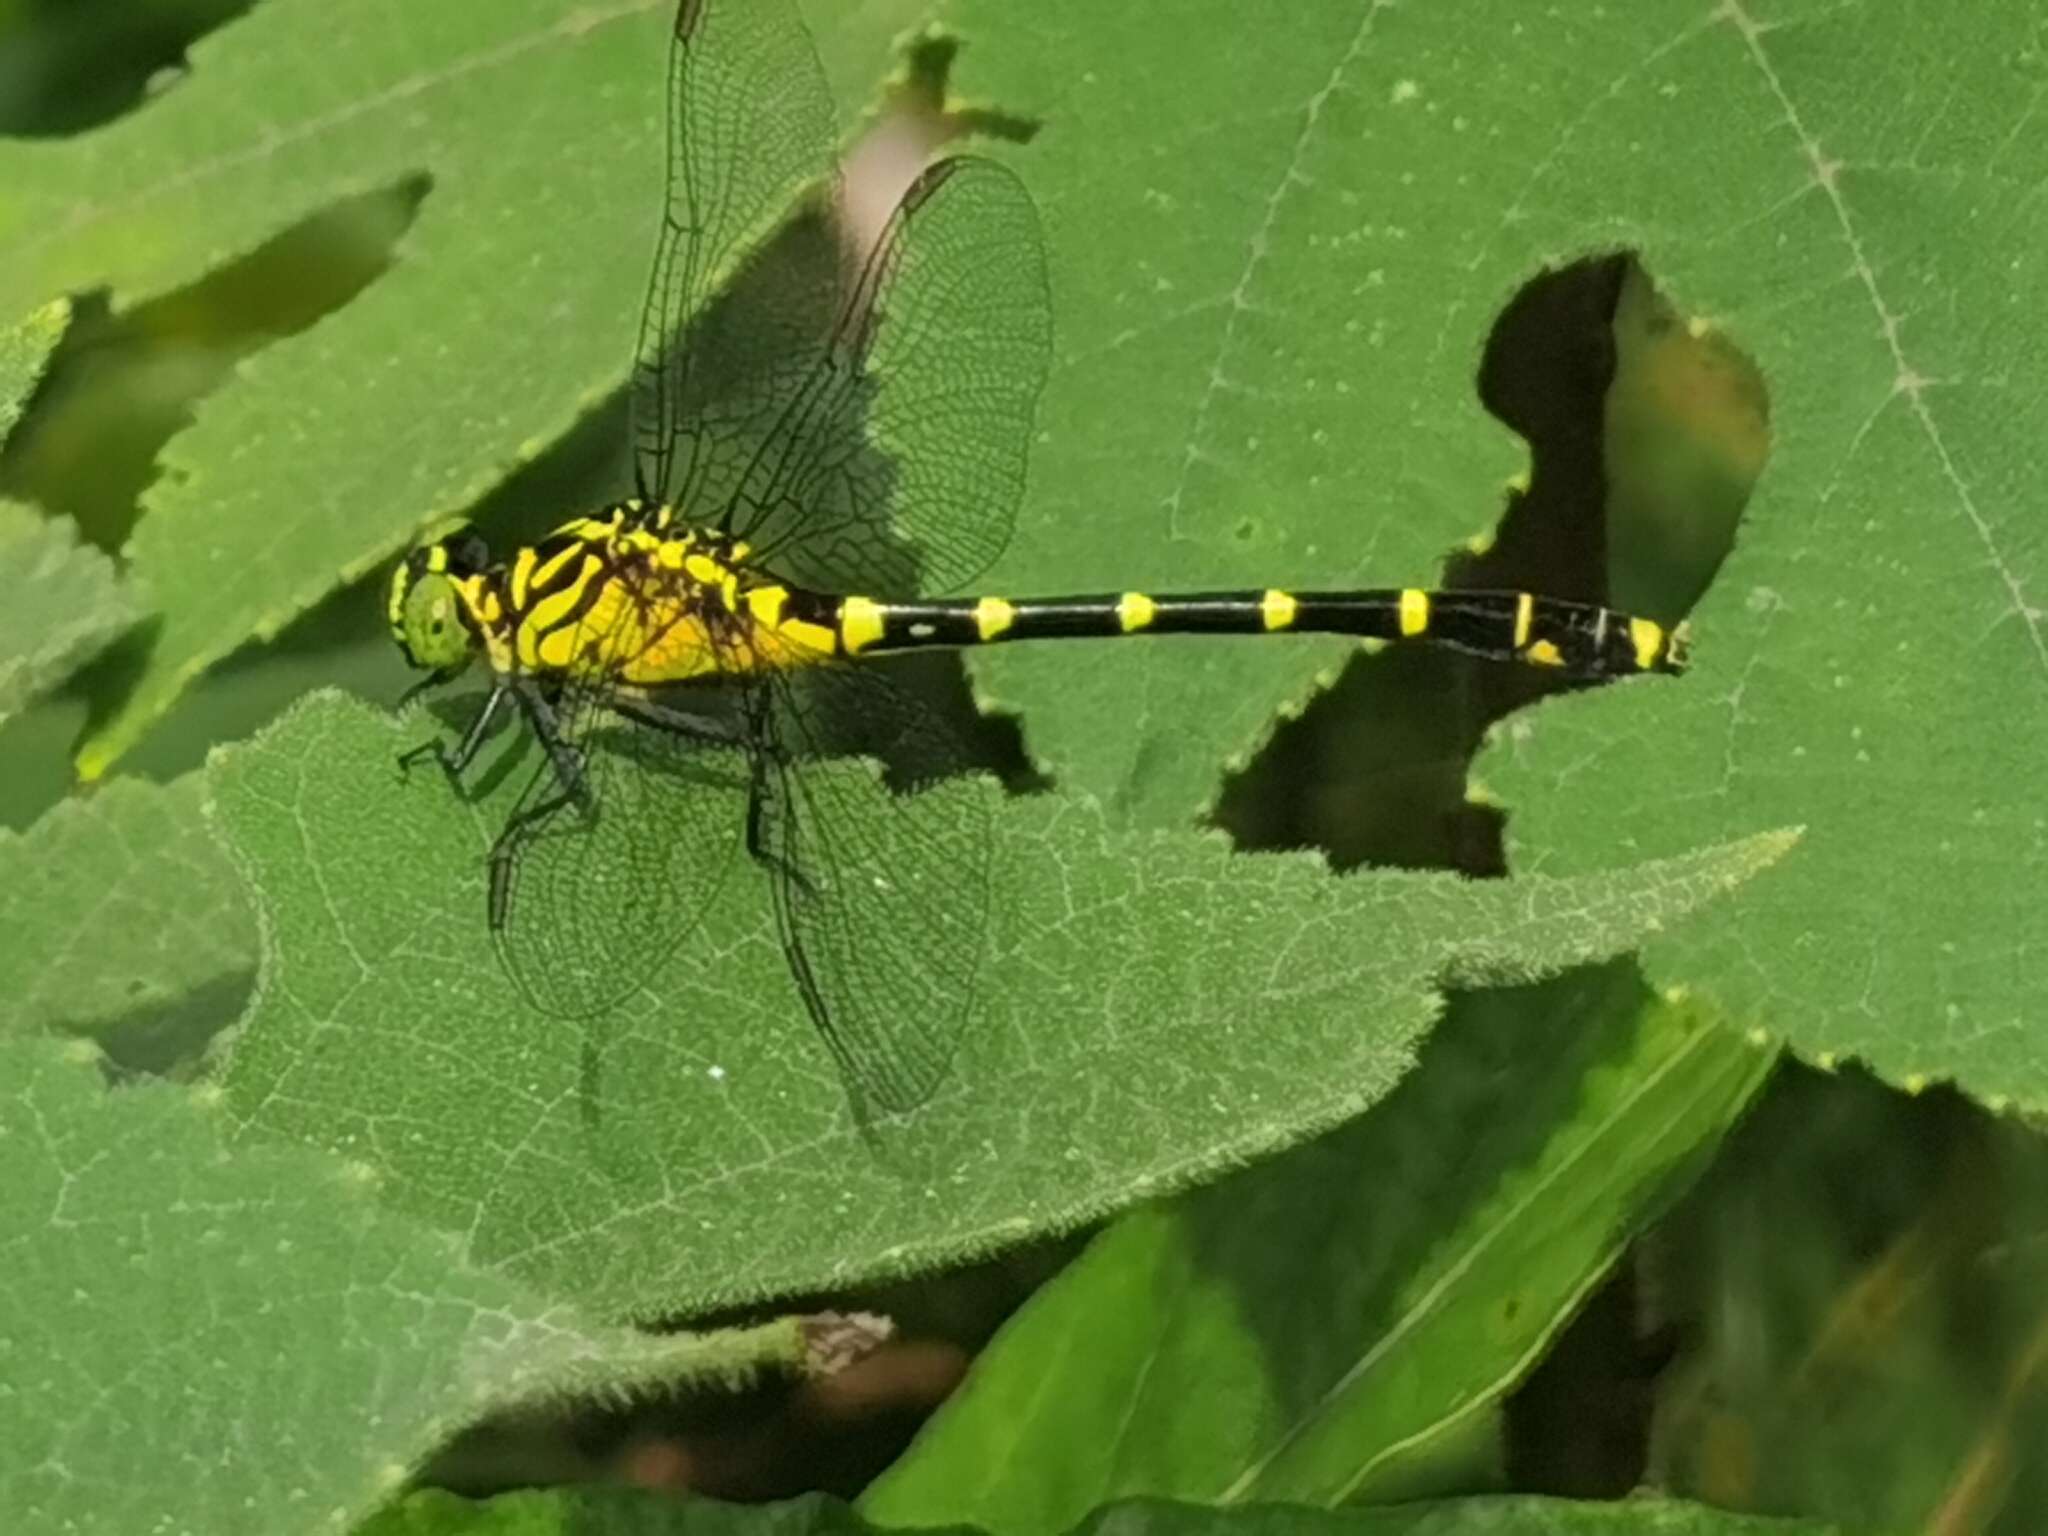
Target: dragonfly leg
[706,729]
[454,763]
[504,852]
[565,759]
[757,833]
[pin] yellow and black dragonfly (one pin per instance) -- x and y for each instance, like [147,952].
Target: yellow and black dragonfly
[704,664]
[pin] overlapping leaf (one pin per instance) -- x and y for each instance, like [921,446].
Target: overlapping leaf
[1153,1009]
[66,601]
[240,1341]
[1275,276]
[509,310]
[1319,1329]
[120,912]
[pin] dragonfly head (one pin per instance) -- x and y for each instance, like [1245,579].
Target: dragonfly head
[434,597]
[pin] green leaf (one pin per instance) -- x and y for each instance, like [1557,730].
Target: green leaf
[1269,323]
[576,1153]
[65,604]
[246,1341]
[1872,658]
[510,309]
[1458,1517]
[123,914]
[25,348]
[1316,1329]
[621,1512]
[64,600]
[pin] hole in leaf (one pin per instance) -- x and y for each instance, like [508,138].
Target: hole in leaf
[121,384]
[1645,436]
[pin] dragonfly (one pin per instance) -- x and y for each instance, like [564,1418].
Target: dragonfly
[707,663]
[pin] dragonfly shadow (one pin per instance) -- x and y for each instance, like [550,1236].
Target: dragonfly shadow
[774,402]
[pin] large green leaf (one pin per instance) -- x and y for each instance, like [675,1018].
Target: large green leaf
[1873,657]
[1157,1008]
[64,600]
[510,309]
[122,913]
[1275,264]
[226,1341]
[1317,1329]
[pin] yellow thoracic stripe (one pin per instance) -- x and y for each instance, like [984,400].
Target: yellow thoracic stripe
[1135,611]
[522,576]
[1277,609]
[1414,612]
[557,605]
[1525,615]
[549,569]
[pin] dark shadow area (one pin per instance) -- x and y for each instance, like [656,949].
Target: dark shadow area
[70,65]
[171,1040]
[1854,1297]
[924,88]
[781,1437]
[119,387]
[1579,1425]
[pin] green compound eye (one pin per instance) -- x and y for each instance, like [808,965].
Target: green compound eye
[431,626]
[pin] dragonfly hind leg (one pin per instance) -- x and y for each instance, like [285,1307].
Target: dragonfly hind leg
[710,731]
[503,859]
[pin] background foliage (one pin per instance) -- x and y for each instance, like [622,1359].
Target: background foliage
[1228,1207]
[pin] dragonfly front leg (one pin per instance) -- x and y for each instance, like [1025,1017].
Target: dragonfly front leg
[455,763]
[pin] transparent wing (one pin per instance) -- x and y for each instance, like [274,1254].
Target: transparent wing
[942,350]
[865,424]
[749,123]
[881,882]
[592,890]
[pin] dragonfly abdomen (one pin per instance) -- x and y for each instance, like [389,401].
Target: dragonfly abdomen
[1584,639]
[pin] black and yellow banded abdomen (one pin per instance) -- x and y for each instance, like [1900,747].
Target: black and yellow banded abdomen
[1582,639]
